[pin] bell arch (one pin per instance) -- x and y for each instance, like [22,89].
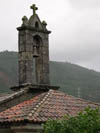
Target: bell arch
[36,25]
[37,40]
[38,58]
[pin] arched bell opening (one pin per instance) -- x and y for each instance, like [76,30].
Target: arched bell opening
[37,42]
[36,25]
[37,58]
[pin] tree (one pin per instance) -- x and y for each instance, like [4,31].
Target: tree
[87,121]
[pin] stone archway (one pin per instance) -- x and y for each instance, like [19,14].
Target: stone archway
[38,58]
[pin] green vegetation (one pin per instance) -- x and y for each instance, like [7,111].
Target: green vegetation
[73,79]
[87,121]
[8,70]
[76,80]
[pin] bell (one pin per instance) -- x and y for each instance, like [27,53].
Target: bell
[35,54]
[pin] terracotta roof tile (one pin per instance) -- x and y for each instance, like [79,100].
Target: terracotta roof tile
[48,105]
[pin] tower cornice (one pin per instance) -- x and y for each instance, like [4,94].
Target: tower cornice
[33,29]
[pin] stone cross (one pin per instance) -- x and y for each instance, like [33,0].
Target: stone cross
[34,8]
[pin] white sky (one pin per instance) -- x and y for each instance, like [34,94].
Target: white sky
[75,26]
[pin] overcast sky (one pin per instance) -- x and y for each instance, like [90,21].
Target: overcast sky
[75,26]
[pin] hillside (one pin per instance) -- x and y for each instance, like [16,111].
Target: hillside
[73,79]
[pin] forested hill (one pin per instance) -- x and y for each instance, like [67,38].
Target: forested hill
[73,79]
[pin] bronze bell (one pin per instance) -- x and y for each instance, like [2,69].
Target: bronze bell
[35,53]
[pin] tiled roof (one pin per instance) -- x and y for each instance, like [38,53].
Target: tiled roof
[48,105]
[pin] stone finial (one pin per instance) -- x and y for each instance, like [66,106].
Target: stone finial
[25,20]
[34,8]
[44,23]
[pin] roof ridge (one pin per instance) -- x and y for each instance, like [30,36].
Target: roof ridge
[38,106]
[13,95]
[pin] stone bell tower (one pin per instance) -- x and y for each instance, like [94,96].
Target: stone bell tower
[33,50]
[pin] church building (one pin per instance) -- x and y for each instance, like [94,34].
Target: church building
[35,100]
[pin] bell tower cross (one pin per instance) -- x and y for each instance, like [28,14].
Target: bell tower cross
[34,8]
